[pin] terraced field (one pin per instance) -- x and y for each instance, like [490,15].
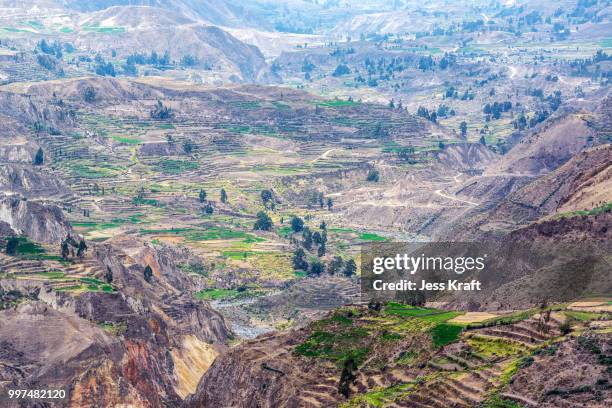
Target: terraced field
[467,367]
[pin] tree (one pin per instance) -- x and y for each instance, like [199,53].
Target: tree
[299,260]
[148,273]
[340,70]
[316,237]
[39,158]
[65,250]
[323,225]
[350,268]
[11,245]
[202,196]
[108,275]
[266,197]
[336,265]
[347,376]
[373,175]
[307,235]
[89,94]
[297,224]
[223,196]
[187,146]
[81,249]
[209,209]
[483,141]
[316,268]
[321,251]
[330,203]
[129,68]
[47,61]
[160,111]
[463,129]
[189,61]
[263,223]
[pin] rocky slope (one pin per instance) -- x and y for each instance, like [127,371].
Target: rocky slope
[394,357]
[39,221]
[146,342]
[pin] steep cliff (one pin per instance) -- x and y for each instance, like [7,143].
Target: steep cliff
[40,222]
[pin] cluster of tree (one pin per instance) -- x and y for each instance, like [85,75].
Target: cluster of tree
[407,154]
[380,131]
[523,122]
[103,67]
[209,208]
[337,266]
[151,59]
[425,113]
[307,66]
[69,245]
[426,63]
[580,67]
[496,109]
[452,92]
[552,78]
[444,111]
[447,61]
[341,52]
[471,26]
[560,32]
[54,48]
[47,61]
[316,197]
[189,61]
[160,111]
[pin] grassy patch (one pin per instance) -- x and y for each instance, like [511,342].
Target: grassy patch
[584,316]
[125,140]
[368,236]
[170,166]
[491,347]
[379,397]
[89,170]
[605,208]
[333,346]
[399,309]
[95,28]
[336,103]
[116,329]
[217,294]
[498,402]
[445,333]
[280,105]
[27,248]
[52,275]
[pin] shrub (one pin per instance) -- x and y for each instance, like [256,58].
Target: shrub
[148,273]
[373,175]
[89,94]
